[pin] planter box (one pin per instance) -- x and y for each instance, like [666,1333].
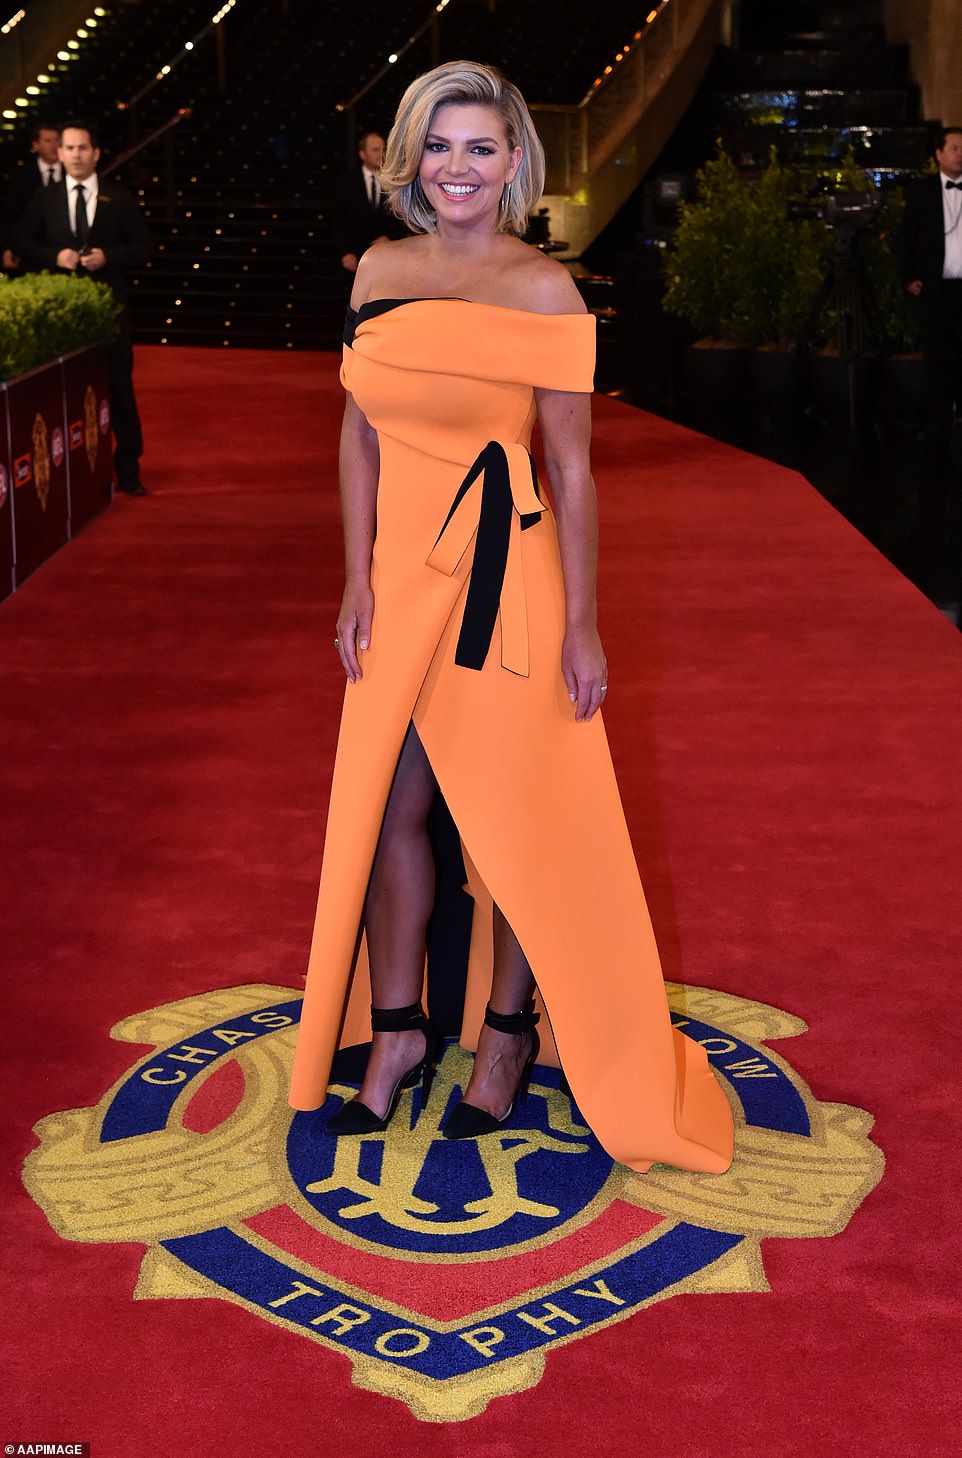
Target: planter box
[6,511]
[775,383]
[38,462]
[716,373]
[55,459]
[89,455]
[844,393]
[904,398]
[716,390]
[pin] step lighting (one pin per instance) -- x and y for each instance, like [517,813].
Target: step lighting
[14,20]
[391,60]
[188,45]
[650,18]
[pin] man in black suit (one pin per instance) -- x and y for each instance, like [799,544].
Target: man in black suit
[360,217]
[79,227]
[43,171]
[929,257]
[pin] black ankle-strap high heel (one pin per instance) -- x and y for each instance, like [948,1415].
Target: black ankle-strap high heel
[467,1121]
[355,1117]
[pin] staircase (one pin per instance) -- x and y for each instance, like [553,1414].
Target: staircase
[814,94]
[239,190]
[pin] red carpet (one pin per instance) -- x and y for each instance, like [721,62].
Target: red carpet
[783,718]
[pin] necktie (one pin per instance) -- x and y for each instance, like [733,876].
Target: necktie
[80,227]
[373,191]
[950,185]
[50,176]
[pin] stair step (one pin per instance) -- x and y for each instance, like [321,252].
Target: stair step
[798,106]
[883,67]
[891,149]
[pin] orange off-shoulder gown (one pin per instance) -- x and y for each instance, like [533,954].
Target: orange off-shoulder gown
[532,792]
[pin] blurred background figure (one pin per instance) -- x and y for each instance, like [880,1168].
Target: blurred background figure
[929,252]
[79,227]
[41,170]
[359,215]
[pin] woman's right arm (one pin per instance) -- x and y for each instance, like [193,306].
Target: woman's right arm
[359,462]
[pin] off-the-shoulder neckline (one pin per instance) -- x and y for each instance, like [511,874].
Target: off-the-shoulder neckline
[384,305]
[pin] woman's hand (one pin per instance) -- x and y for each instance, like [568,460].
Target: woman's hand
[354,628]
[585,671]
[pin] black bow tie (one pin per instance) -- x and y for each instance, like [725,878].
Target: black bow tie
[950,185]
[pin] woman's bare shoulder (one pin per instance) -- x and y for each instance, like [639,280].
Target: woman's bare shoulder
[544,286]
[384,268]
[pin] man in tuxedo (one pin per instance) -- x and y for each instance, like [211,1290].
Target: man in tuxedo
[360,217]
[43,171]
[77,226]
[928,252]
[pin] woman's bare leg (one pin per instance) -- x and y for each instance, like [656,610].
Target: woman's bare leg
[501,1057]
[400,898]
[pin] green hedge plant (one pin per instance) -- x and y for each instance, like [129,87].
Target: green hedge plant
[46,315]
[742,271]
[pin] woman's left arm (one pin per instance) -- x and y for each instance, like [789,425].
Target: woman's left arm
[565,419]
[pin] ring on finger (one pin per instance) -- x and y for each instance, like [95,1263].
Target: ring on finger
[337,642]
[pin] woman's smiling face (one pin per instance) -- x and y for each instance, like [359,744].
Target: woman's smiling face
[466,163]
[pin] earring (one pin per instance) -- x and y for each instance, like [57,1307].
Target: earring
[506,197]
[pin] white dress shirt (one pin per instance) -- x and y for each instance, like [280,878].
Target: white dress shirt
[45,167]
[952,221]
[368,174]
[91,188]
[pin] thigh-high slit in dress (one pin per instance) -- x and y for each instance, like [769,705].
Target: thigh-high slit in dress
[466,645]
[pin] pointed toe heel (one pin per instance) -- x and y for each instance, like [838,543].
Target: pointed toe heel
[467,1121]
[355,1117]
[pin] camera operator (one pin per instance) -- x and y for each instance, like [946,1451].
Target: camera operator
[928,251]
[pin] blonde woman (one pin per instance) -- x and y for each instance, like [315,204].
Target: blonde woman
[468,637]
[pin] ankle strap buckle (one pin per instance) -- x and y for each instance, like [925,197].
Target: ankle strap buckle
[397,1019]
[519,1022]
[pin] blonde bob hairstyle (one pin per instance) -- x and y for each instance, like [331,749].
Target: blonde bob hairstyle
[459,83]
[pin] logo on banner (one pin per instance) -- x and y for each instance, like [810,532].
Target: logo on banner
[56,447]
[75,434]
[22,471]
[91,432]
[104,416]
[447,1272]
[41,460]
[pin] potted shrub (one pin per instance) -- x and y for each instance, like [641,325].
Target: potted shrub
[54,415]
[46,315]
[742,272]
[903,399]
[845,386]
[705,277]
